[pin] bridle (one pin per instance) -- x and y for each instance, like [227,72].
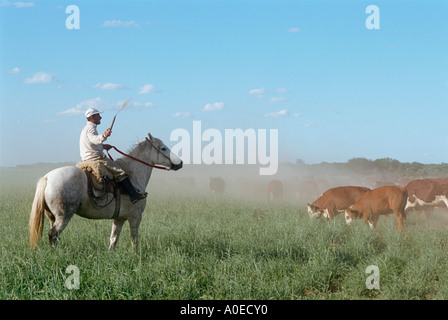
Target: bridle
[141,161]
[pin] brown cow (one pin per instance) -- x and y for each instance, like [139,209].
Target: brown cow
[335,200]
[380,201]
[275,190]
[425,194]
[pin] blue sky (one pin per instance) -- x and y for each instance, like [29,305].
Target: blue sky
[334,89]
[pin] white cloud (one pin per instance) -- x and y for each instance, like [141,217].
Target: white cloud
[141,105]
[109,86]
[182,115]
[294,30]
[39,77]
[147,88]
[14,70]
[122,24]
[278,99]
[217,106]
[71,112]
[281,90]
[279,114]
[103,105]
[81,107]
[258,91]
[18,4]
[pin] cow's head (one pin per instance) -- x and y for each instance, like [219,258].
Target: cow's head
[351,214]
[315,212]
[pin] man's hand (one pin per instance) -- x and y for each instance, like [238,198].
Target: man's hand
[107,133]
[107,146]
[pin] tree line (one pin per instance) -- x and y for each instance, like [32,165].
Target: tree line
[384,166]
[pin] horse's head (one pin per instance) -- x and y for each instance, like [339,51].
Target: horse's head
[162,155]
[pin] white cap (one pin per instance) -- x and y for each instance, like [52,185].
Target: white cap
[91,111]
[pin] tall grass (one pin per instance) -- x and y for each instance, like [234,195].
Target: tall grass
[197,247]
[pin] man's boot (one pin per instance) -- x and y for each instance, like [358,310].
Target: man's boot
[133,194]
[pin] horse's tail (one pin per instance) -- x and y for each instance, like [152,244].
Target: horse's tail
[37,213]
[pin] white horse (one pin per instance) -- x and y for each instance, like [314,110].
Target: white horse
[62,192]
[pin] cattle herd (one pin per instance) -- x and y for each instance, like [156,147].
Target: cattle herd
[369,204]
[356,202]
[421,195]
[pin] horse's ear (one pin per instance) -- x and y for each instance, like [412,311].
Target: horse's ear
[149,136]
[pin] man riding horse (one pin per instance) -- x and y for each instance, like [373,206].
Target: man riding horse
[91,149]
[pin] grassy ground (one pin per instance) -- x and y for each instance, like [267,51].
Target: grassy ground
[197,247]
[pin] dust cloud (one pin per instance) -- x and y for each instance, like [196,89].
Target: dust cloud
[293,183]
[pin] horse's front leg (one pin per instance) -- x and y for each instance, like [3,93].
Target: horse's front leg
[116,229]
[134,224]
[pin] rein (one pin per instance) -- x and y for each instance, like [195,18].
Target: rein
[138,160]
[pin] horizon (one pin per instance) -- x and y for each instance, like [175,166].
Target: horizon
[297,162]
[334,88]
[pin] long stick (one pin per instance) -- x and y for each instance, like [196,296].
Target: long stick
[122,107]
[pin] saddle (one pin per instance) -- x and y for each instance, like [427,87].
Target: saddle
[101,187]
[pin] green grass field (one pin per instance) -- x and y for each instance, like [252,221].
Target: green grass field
[203,247]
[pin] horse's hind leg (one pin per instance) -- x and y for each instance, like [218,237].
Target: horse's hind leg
[59,225]
[134,224]
[50,217]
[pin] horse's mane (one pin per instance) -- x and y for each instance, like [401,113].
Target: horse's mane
[135,152]
[137,148]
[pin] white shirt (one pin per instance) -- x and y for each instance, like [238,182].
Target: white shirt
[91,143]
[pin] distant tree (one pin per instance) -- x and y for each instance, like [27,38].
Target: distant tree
[390,167]
[416,169]
[385,166]
[359,165]
[300,163]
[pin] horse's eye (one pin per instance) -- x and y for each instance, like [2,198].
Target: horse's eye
[163,148]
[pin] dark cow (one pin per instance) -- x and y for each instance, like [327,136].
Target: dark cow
[275,190]
[380,201]
[426,194]
[217,185]
[335,200]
